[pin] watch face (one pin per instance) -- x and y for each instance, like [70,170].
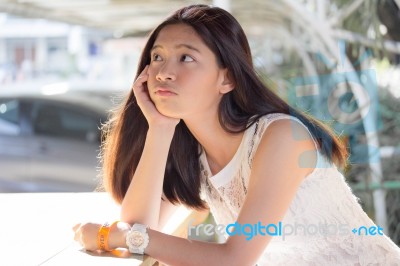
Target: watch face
[136,239]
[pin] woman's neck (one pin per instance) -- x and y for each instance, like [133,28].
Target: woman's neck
[219,145]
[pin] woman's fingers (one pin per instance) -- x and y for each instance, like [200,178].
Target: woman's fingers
[138,85]
[76,232]
[86,235]
[75,227]
[141,92]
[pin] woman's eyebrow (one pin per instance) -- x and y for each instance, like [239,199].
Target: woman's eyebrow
[188,46]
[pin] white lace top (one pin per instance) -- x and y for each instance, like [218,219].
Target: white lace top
[323,199]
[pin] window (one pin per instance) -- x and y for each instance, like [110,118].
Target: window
[62,122]
[9,117]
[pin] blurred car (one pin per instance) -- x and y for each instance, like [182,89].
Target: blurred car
[51,143]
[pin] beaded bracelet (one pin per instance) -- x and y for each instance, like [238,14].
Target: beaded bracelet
[102,236]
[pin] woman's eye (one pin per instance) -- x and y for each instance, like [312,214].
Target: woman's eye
[187,58]
[156,57]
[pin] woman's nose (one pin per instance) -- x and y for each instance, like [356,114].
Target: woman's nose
[166,72]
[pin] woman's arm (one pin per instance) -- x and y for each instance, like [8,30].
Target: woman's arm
[279,166]
[143,199]
[142,202]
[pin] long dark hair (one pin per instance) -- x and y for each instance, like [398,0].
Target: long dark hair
[126,132]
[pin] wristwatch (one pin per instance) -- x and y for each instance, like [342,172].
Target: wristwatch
[137,239]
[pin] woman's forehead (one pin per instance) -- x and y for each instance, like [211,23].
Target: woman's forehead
[178,33]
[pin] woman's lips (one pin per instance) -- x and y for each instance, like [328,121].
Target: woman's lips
[165,92]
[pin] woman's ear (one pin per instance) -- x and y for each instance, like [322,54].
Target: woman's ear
[227,82]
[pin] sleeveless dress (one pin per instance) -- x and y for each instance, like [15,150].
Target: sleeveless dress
[323,200]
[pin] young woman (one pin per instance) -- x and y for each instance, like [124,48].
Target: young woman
[199,128]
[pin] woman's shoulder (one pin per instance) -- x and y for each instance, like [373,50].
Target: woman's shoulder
[271,117]
[286,122]
[284,127]
[280,128]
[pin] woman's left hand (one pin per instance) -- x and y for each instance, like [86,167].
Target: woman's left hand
[86,235]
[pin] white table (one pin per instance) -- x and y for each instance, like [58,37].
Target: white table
[36,229]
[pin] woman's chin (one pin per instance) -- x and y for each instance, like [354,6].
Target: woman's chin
[169,113]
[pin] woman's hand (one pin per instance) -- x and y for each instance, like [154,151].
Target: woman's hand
[153,116]
[86,235]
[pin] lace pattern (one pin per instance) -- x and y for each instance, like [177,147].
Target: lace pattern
[323,198]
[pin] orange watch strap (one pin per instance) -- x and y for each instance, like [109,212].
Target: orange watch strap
[102,236]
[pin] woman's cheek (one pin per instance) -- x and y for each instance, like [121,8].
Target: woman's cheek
[152,70]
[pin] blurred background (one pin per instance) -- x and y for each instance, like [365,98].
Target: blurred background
[64,64]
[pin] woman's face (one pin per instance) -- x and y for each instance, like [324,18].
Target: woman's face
[184,77]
